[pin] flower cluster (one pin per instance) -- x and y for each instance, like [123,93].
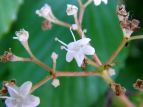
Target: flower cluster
[128,26]
[77,49]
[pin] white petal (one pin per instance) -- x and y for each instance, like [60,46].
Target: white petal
[11,103]
[105,1]
[88,50]
[69,56]
[25,88]
[79,57]
[71,45]
[83,41]
[97,2]
[13,90]
[31,101]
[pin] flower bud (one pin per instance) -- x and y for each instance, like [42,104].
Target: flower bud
[45,11]
[54,56]
[22,35]
[71,10]
[56,83]
[111,71]
[74,27]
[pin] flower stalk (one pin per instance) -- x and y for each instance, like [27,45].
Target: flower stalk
[117,51]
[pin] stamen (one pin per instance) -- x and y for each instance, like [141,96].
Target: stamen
[63,47]
[15,37]
[72,35]
[56,39]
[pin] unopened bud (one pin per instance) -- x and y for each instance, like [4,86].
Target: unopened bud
[111,71]
[56,83]
[71,10]
[74,26]
[54,56]
[22,35]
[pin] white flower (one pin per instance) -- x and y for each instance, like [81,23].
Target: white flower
[54,56]
[20,96]
[111,71]
[45,11]
[71,10]
[56,82]
[22,35]
[98,2]
[77,49]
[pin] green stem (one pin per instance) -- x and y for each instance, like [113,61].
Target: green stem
[135,37]
[90,62]
[117,51]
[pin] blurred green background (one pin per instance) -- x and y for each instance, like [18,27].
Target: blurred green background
[102,27]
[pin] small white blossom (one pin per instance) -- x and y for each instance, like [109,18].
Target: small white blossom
[20,96]
[77,49]
[71,10]
[22,35]
[98,2]
[111,71]
[54,56]
[56,82]
[45,11]
[74,27]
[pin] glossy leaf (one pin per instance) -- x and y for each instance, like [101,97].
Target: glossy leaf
[8,14]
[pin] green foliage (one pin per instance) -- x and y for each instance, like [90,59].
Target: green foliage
[8,13]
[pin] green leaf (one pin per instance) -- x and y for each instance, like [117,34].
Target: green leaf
[8,13]
[103,28]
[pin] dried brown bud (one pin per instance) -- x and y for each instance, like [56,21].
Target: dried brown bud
[128,26]
[118,89]
[122,13]
[135,25]
[4,90]
[7,56]
[46,25]
[84,64]
[138,85]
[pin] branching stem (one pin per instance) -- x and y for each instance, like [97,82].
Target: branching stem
[117,51]
[63,74]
